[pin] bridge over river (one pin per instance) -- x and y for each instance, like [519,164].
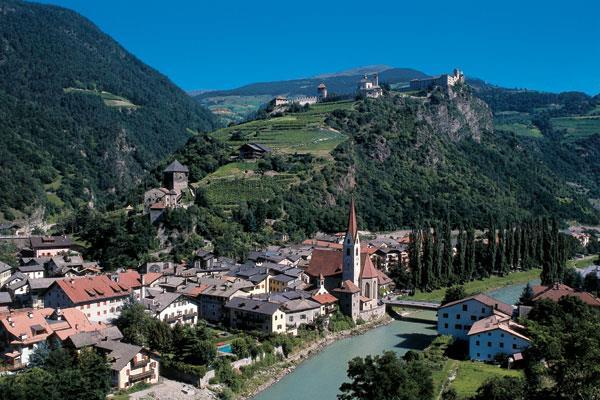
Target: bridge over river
[419,305]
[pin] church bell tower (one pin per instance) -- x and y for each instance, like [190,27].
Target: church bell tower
[351,249]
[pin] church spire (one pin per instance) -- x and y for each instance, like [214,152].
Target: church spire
[352,225]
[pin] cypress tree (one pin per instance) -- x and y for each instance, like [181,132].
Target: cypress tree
[471,262]
[414,254]
[448,254]
[517,247]
[437,255]
[461,257]
[492,248]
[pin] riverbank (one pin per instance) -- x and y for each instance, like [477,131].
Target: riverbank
[481,286]
[276,372]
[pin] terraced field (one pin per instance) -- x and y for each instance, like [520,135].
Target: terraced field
[292,133]
[578,127]
[301,133]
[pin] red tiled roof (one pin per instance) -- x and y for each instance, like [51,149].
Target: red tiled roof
[557,291]
[347,287]
[91,288]
[324,298]
[151,277]
[325,262]
[493,322]
[368,269]
[130,278]
[487,300]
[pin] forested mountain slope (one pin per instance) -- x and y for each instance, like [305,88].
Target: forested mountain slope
[81,118]
[408,158]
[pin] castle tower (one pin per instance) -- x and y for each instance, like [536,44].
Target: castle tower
[175,177]
[351,264]
[322,91]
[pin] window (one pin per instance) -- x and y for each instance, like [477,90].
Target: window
[477,344]
[502,335]
[291,318]
[458,326]
[347,252]
[501,345]
[514,346]
[464,307]
[473,318]
[478,354]
[303,316]
[489,344]
[446,326]
[445,315]
[278,326]
[457,316]
[483,310]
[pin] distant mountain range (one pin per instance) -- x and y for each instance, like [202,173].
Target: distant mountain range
[236,104]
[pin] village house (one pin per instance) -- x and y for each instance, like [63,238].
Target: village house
[217,293]
[444,81]
[17,286]
[172,308]
[50,246]
[298,305]
[129,364]
[457,318]
[557,291]
[5,272]
[253,151]
[254,314]
[23,331]
[69,265]
[203,259]
[99,297]
[35,271]
[496,335]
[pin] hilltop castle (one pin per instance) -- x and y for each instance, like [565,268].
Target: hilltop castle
[302,100]
[369,87]
[444,81]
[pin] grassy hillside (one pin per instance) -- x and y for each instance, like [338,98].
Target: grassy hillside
[301,140]
[82,119]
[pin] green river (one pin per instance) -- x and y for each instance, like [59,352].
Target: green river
[320,377]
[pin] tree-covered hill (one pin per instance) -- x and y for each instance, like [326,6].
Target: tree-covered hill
[414,158]
[81,118]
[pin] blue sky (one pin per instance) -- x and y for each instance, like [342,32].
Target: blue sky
[546,45]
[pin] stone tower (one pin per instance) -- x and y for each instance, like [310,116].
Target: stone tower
[322,91]
[175,177]
[351,249]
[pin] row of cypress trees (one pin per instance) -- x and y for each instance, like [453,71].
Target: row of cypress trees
[440,257]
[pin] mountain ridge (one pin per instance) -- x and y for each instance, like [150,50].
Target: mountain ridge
[83,119]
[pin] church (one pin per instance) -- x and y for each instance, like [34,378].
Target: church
[349,275]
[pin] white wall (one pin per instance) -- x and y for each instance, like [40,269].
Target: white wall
[456,321]
[484,346]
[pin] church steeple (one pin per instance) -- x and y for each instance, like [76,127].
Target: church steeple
[351,249]
[352,226]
